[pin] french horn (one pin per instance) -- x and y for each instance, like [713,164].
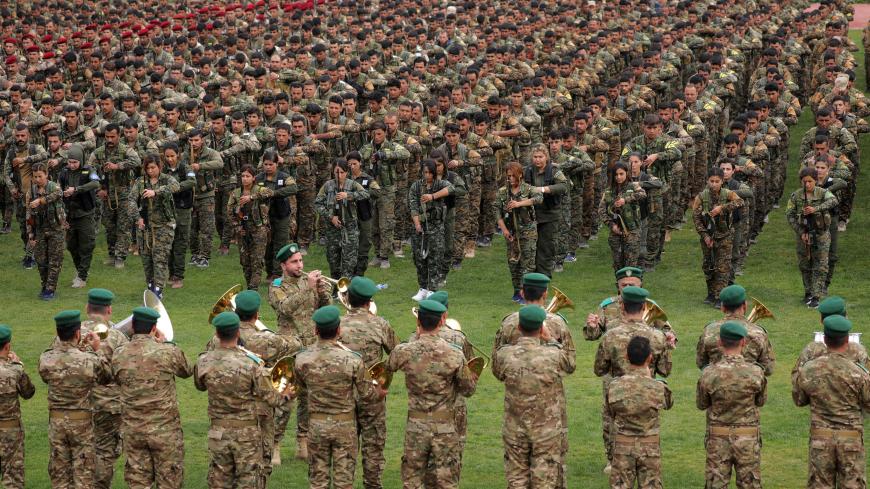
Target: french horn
[227,302]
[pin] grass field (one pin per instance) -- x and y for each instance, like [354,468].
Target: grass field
[480,297]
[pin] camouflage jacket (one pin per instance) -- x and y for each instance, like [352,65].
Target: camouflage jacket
[367,334]
[71,375]
[731,391]
[14,383]
[836,389]
[634,401]
[509,334]
[334,378]
[236,383]
[610,358]
[294,303]
[125,157]
[757,350]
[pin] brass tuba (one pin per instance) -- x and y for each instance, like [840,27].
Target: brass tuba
[149,299]
[559,301]
[759,311]
[476,364]
[653,312]
[227,302]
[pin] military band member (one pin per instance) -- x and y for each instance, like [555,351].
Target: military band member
[831,306]
[145,370]
[532,370]
[732,391]
[18,384]
[838,393]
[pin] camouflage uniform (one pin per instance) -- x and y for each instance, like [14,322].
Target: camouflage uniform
[158,215]
[45,226]
[283,186]
[717,259]
[624,245]
[432,216]
[384,171]
[119,215]
[489,184]
[296,163]
[435,374]
[812,256]
[370,336]
[250,224]
[520,261]
[365,221]
[633,401]
[71,375]
[236,385]
[183,202]
[731,391]
[203,217]
[309,155]
[337,384]
[532,429]
[837,391]
[16,383]
[855,351]
[342,244]
[19,179]
[153,440]
[548,214]
[230,146]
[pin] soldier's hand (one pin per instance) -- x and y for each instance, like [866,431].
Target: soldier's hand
[650,160]
[341,196]
[805,237]
[194,166]
[93,340]
[382,393]
[453,164]
[15,193]
[809,210]
[716,211]
[53,162]
[17,161]
[66,145]
[102,194]
[336,222]
[708,241]
[418,227]
[13,357]
[592,320]
[243,200]
[671,339]
[546,335]
[140,224]
[426,198]
[31,243]
[619,202]
[615,230]
[35,203]
[148,194]
[313,278]
[69,191]
[111,166]
[158,336]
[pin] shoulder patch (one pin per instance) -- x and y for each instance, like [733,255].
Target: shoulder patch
[671,144]
[607,302]
[277,282]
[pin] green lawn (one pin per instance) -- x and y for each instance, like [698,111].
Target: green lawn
[480,297]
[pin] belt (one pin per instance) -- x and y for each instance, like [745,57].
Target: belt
[10,423]
[636,439]
[734,431]
[441,415]
[332,417]
[233,423]
[825,433]
[74,414]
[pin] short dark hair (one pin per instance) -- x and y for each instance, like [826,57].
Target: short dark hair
[68,332]
[357,301]
[246,316]
[327,332]
[835,341]
[142,327]
[729,342]
[226,334]
[633,307]
[428,320]
[533,293]
[638,350]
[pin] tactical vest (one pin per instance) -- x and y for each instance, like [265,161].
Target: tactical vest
[721,223]
[254,213]
[183,199]
[83,202]
[551,201]
[364,207]
[279,207]
[159,204]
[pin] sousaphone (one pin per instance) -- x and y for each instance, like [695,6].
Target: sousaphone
[149,299]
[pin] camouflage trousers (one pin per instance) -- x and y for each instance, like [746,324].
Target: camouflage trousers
[625,248]
[294,214]
[203,227]
[717,263]
[305,215]
[21,217]
[606,422]
[654,238]
[488,192]
[575,223]
[342,247]
[107,444]
[372,429]
[836,462]
[180,241]
[429,270]
[531,457]
[221,218]
[521,257]
[431,447]
[564,232]
[235,457]
[267,438]
[813,262]
[833,256]
[697,174]
[384,222]
[742,453]
[332,444]
[590,212]
[365,244]
[460,419]
[402,212]
[7,205]
[252,253]
[119,216]
[72,458]
[279,237]
[467,219]
[672,199]
[740,247]
[636,460]
[282,417]
[154,457]
[12,458]
[763,203]
[48,253]
[81,239]
[155,248]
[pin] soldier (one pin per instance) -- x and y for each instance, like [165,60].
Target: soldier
[532,370]
[831,306]
[145,370]
[337,384]
[295,296]
[552,184]
[514,210]
[364,210]
[204,162]
[371,336]
[435,374]
[71,375]
[46,221]
[236,383]
[336,205]
[248,211]
[634,400]
[620,206]
[18,175]
[79,184]
[14,376]
[757,349]
[731,391]
[838,392]
[283,186]
[182,200]
[231,147]
[427,201]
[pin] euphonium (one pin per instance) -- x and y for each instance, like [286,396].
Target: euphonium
[476,364]
[653,312]
[227,302]
[759,311]
[559,301]
[281,374]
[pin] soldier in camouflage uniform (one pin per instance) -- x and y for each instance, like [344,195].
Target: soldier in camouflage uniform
[742,219]
[46,223]
[248,213]
[230,146]
[183,203]
[634,400]
[145,370]
[514,210]
[838,392]
[620,208]
[364,209]
[73,131]
[427,201]
[310,155]
[731,391]
[151,196]
[7,203]
[435,375]
[490,176]
[284,187]
[544,177]
[18,385]
[808,213]
[371,336]
[336,205]
[18,175]
[532,370]
[831,306]
[71,375]
[237,383]
[205,163]
[294,297]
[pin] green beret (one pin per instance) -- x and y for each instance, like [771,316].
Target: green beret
[832,305]
[248,302]
[363,287]
[733,295]
[287,251]
[629,272]
[146,314]
[532,317]
[433,307]
[100,297]
[732,330]
[837,326]
[5,333]
[634,295]
[69,317]
[440,296]
[226,321]
[327,316]
[536,280]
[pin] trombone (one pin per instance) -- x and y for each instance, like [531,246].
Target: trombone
[227,302]
[475,364]
[759,311]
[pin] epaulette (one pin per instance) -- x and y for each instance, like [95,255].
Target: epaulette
[456,346]
[862,368]
[277,282]
[663,381]
[606,302]
[563,317]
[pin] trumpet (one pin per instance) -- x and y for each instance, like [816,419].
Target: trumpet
[759,311]
[476,364]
